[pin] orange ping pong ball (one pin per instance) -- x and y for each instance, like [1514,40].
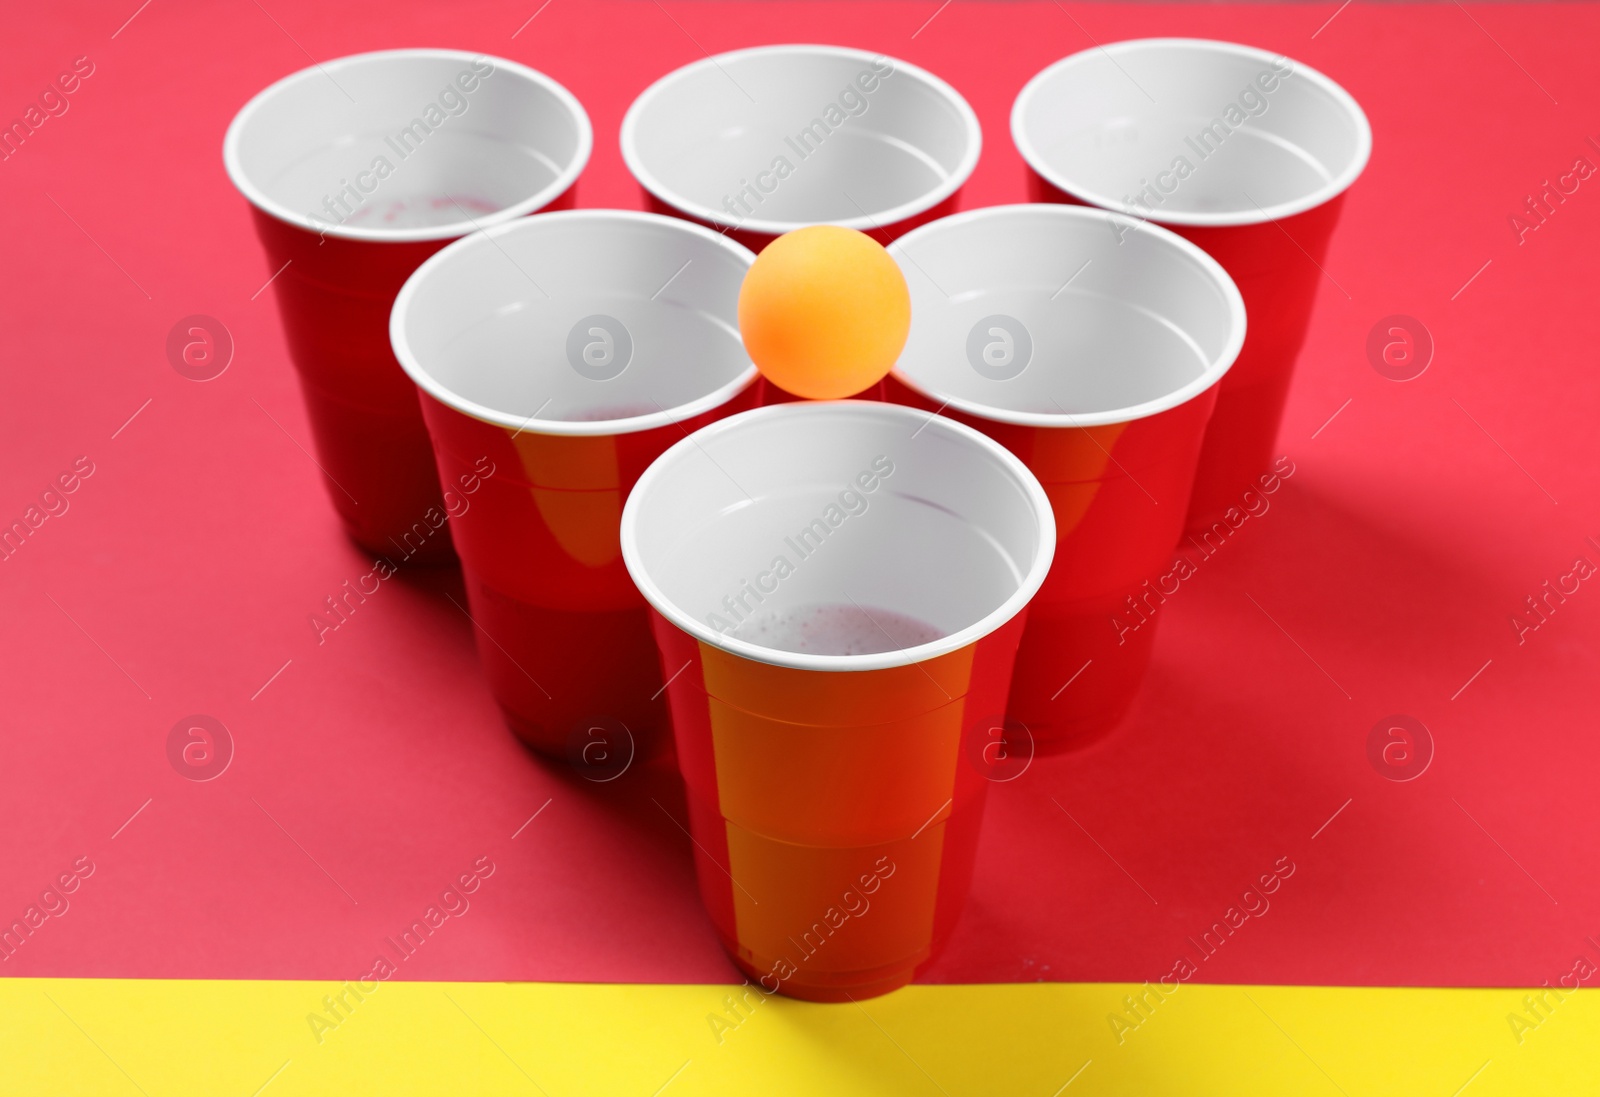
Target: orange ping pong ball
[824,312]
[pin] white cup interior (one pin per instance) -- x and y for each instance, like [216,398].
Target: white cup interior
[578,322]
[407,144]
[901,535]
[1063,315]
[1262,136]
[864,140]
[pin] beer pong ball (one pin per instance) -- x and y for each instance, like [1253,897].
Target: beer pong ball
[824,312]
[1189,131]
[761,141]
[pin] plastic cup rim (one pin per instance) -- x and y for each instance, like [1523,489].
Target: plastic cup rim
[1207,218]
[991,622]
[1214,373]
[424,379]
[257,197]
[867,222]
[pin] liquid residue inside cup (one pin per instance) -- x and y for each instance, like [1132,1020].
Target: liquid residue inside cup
[837,629]
[418,212]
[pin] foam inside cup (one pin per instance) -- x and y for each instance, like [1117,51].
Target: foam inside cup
[408,144]
[842,535]
[1063,315]
[1262,136]
[578,322]
[773,138]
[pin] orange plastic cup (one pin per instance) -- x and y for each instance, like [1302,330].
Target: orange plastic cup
[839,590]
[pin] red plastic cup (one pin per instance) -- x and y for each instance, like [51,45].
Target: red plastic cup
[359,169]
[760,141]
[839,589]
[557,356]
[1242,151]
[1092,346]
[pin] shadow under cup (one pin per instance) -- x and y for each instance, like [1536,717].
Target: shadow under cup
[358,170]
[1244,152]
[1091,346]
[838,591]
[557,357]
